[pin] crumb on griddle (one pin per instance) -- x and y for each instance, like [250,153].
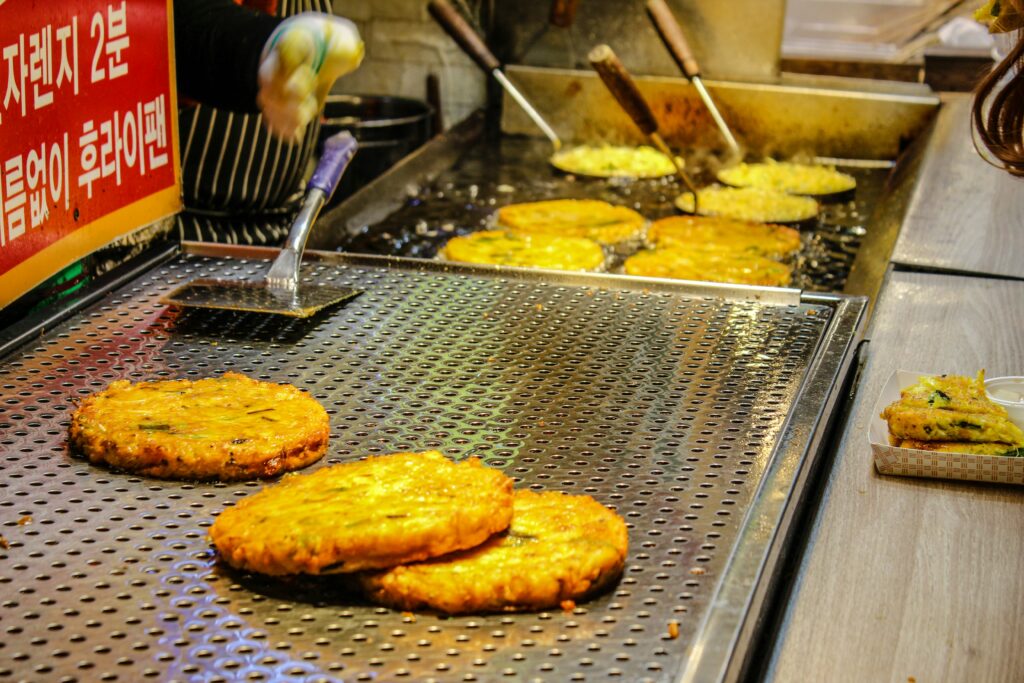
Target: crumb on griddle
[673,629]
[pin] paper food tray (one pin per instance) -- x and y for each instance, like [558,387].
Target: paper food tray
[911,462]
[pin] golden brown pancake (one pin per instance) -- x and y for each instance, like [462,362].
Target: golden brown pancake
[559,547]
[793,178]
[692,264]
[750,204]
[950,408]
[609,161]
[595,220]
[499,247]
[727,235]
[979,448]
[230,427]
[379,512]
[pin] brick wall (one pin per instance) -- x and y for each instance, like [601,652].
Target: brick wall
[403,46]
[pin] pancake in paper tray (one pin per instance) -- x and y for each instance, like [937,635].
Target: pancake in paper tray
[934,464]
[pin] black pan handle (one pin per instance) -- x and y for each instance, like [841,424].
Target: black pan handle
[623,88]
[463,34]
[672,35]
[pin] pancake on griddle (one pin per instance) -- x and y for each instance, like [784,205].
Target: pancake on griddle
[950,408]
[503,248]
[228,428]
[714,233]
[695,264]
[559,547]
[785,176]
[611,161]
[590,218]
[750,204]
[379,512]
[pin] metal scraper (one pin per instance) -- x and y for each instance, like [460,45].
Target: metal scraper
[280,292]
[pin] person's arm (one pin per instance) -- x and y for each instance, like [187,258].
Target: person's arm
[217,47]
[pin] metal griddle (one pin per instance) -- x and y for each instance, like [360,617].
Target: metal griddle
[507,170]
[454,184]
[696,411]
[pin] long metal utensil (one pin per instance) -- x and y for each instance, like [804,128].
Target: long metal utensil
[463,34]
[625,91]
[672,35]
[280,291]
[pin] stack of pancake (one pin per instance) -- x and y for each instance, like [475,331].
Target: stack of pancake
[418,531]
[953,414]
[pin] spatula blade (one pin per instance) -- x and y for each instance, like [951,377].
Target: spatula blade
[258,297]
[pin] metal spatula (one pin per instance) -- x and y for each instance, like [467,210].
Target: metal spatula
[279,291]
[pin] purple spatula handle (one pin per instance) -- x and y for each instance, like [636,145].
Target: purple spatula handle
[338,152]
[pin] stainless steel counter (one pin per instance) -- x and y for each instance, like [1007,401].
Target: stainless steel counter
[696,411]
[913,579]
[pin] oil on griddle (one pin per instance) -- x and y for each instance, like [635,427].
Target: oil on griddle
[515,169]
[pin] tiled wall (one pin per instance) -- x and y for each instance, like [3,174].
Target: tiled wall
[403,46]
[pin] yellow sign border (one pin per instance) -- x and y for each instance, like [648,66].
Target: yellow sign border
[86,239]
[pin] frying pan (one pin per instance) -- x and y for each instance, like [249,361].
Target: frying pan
[471,43]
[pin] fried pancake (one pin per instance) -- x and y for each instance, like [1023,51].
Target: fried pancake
[750,204]
[498,247]
[379,512]
[228,428]
[950,408]
[559,547]
[940,424]
[713,233]
[987,448]
[690,264]
[608,161]
[789,177]
[953,392]
[596,220]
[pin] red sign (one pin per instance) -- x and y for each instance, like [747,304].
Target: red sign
[88,130]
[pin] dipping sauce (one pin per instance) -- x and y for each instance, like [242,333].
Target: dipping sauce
[1009,393]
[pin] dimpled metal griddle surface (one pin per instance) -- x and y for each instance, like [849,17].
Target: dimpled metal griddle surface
[663,405]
